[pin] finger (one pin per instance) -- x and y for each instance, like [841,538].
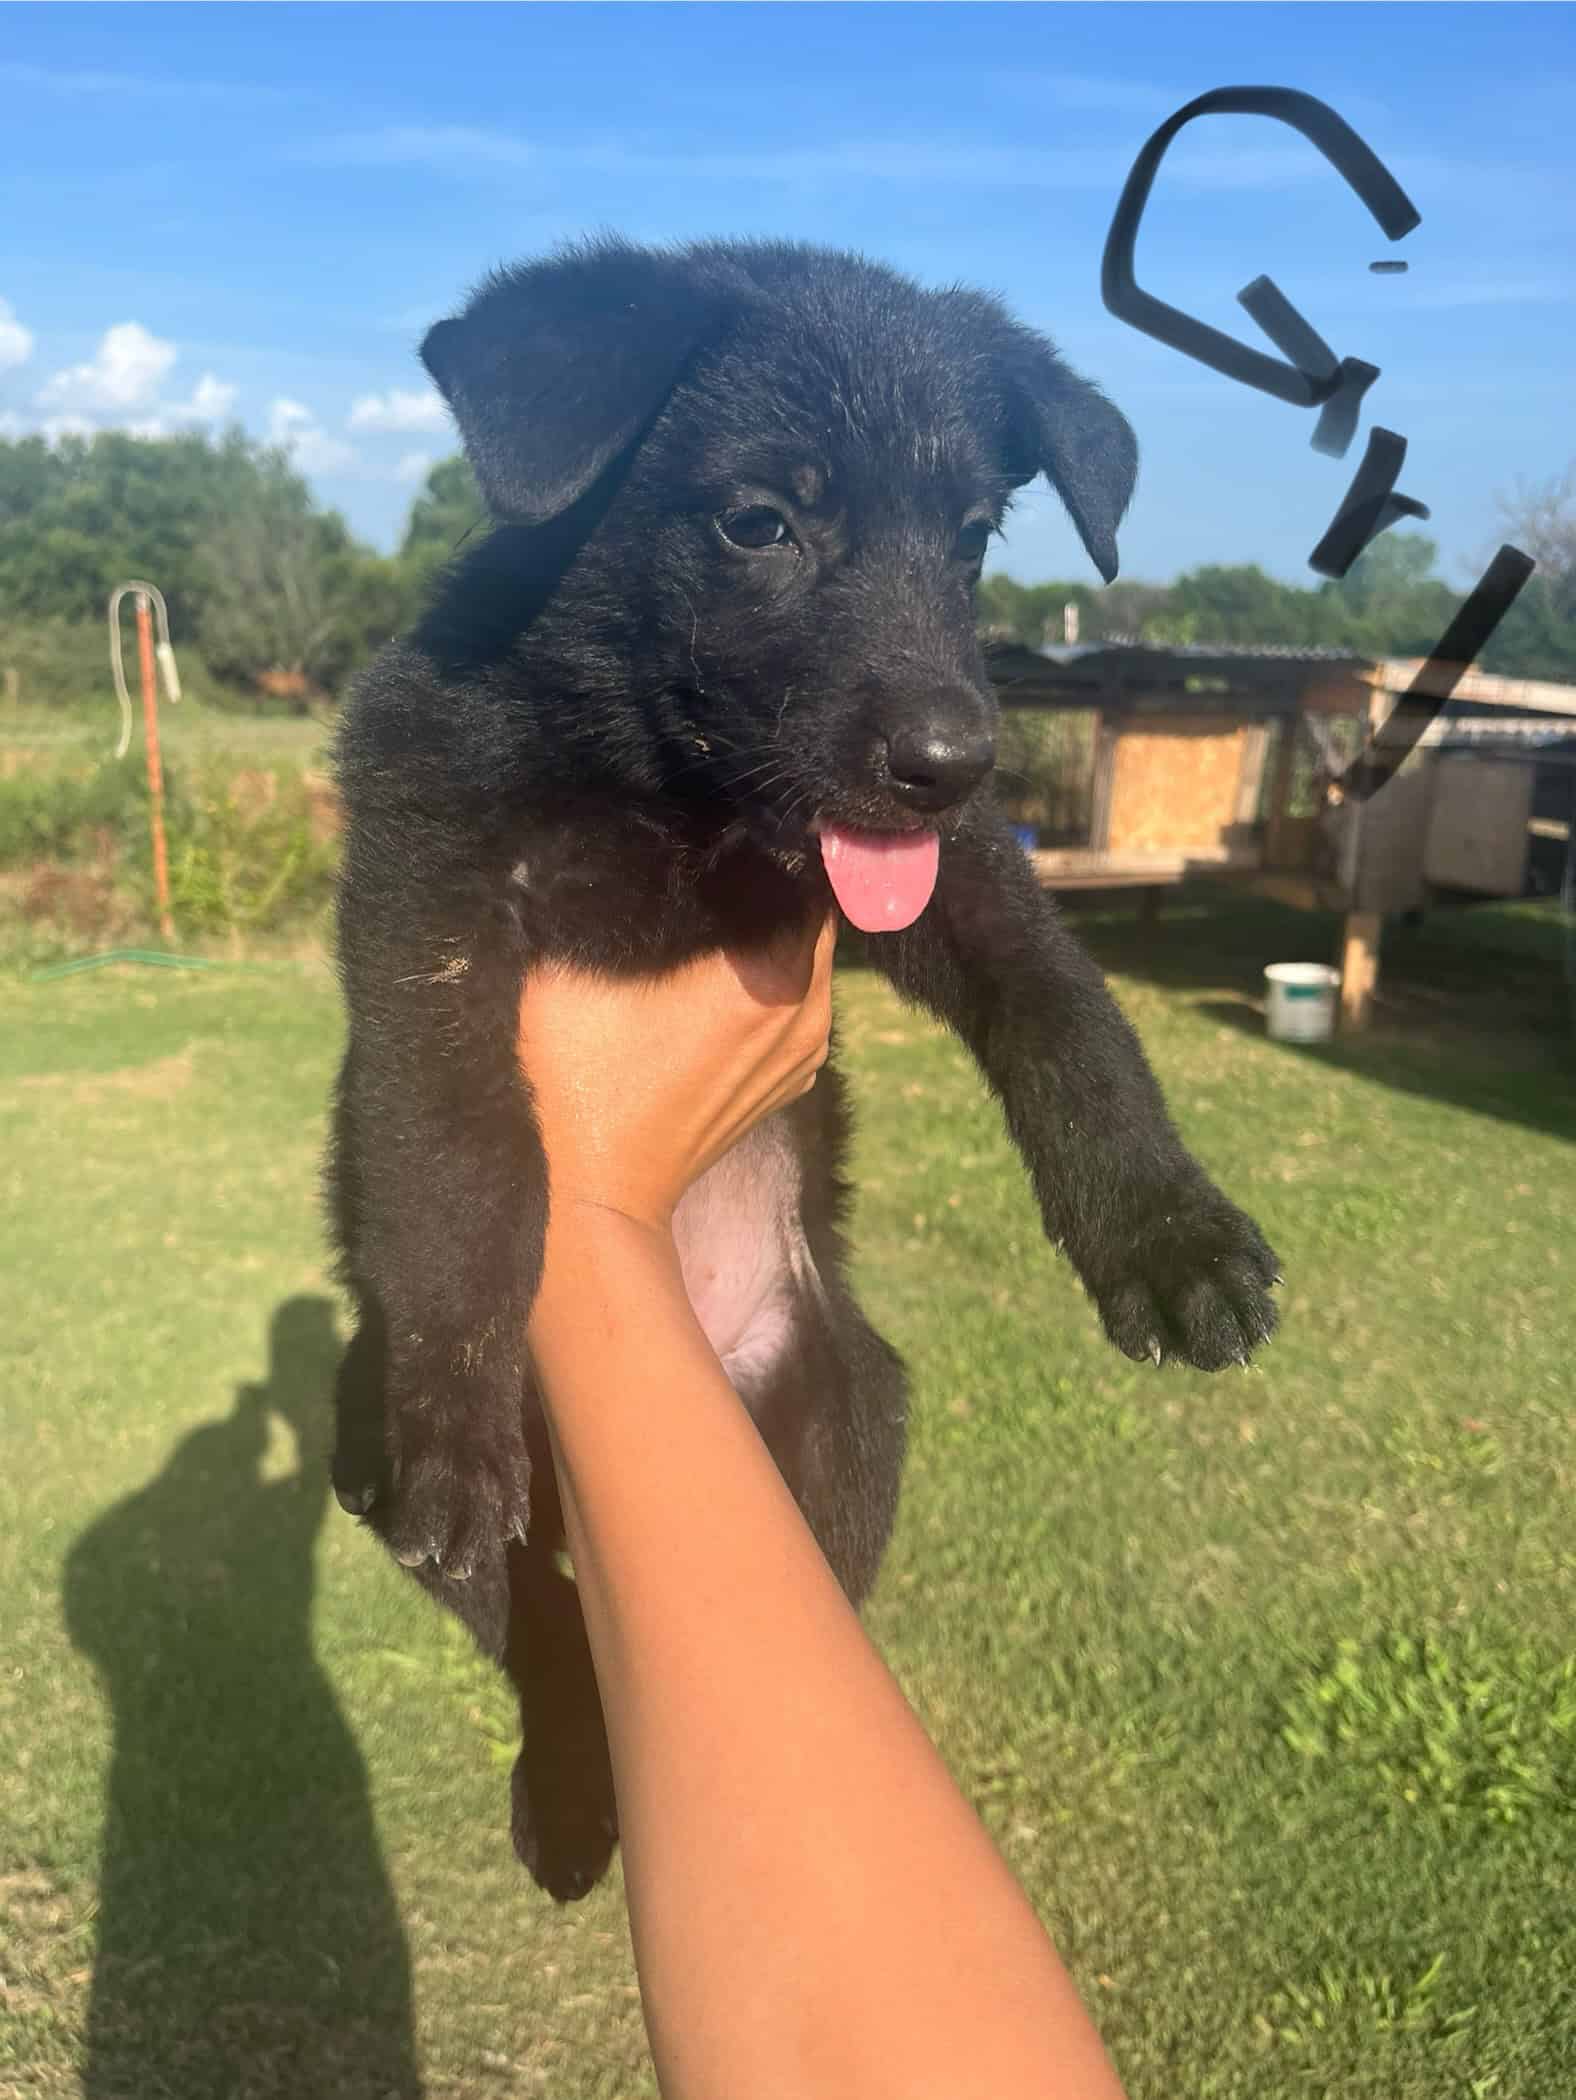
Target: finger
[818,994]
[810,1041]
[825,950]
[808,949]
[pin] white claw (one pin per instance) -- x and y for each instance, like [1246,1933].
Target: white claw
[1154,1349]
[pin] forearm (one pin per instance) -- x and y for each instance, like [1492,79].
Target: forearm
[815,1909]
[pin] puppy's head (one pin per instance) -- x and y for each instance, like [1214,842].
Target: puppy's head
[802,457]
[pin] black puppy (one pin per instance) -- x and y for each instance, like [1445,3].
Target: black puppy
[718,655]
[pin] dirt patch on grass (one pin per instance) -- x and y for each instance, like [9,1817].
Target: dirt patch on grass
[160,1081]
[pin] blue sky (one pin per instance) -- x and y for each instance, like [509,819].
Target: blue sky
[251,213]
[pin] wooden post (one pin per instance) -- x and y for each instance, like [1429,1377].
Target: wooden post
[1359,966]
[1100,786]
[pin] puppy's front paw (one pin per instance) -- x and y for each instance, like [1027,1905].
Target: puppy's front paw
[1194,1283]
[460,1491]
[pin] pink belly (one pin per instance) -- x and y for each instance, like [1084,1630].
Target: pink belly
[744,1256]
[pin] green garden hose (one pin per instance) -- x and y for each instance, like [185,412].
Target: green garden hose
[156,956]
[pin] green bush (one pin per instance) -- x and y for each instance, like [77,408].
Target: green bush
[249,850]
[1045,771]
[64,664]
[59,814]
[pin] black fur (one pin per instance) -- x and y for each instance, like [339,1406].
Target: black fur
[612,739]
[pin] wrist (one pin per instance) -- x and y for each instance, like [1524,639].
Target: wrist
[596,1254]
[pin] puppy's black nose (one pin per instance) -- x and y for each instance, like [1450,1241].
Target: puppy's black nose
[931,769]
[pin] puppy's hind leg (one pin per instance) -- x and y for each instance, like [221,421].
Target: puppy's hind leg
[564,1817]
[836,1424]
[440,1190]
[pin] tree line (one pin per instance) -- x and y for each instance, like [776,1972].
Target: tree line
[1390,603]
[278,594]
[275,592]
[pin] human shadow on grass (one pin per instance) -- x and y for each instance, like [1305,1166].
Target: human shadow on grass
[248,1941]
[1538,1099]
[1474,1010]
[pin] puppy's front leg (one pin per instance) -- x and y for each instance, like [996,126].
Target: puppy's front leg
[1175,1269]
[440,1191]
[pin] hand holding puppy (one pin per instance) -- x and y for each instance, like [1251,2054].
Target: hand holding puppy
[641,1084]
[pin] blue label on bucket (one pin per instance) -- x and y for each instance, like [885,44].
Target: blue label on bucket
[1302,991]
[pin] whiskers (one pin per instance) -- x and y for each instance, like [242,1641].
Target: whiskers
[750,769]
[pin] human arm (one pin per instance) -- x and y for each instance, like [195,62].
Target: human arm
[816,1910]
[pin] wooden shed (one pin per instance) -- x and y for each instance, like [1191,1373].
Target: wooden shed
[1135,767]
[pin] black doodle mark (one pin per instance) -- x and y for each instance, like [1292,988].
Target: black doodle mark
[1389,267]
[1455,651]
[1370,505]
[1290,331]
[1357,165]
[1337,424]
[1312,376]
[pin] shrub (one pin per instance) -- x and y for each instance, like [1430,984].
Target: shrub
[255,850]
[56,813]
[249,850]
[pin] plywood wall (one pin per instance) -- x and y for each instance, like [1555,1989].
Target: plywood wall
[1174,784]
[1477,830]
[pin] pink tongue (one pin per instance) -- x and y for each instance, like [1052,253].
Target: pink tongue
[883,880]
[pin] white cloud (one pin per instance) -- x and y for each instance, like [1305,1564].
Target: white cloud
[315,452]
[16,342]
[285,418]
[125,373]
[117,388]
[211,400]
[414,466]
[79,82]
[10,424]
[420,145]
[469,150]
[401,408]
[1123,95]
[293,425]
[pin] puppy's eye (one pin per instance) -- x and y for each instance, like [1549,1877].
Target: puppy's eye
[755,528]
[972,542]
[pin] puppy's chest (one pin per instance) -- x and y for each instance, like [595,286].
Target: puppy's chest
[616,887]
[747,1265]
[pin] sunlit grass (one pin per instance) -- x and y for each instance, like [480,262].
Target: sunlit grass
[1261,1681]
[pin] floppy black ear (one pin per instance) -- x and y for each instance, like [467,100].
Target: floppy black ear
[1061,425]
[557,367]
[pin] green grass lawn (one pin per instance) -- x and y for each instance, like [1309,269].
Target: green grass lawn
[1263,1682]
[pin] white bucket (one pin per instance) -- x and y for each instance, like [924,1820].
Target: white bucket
[1301,1006]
